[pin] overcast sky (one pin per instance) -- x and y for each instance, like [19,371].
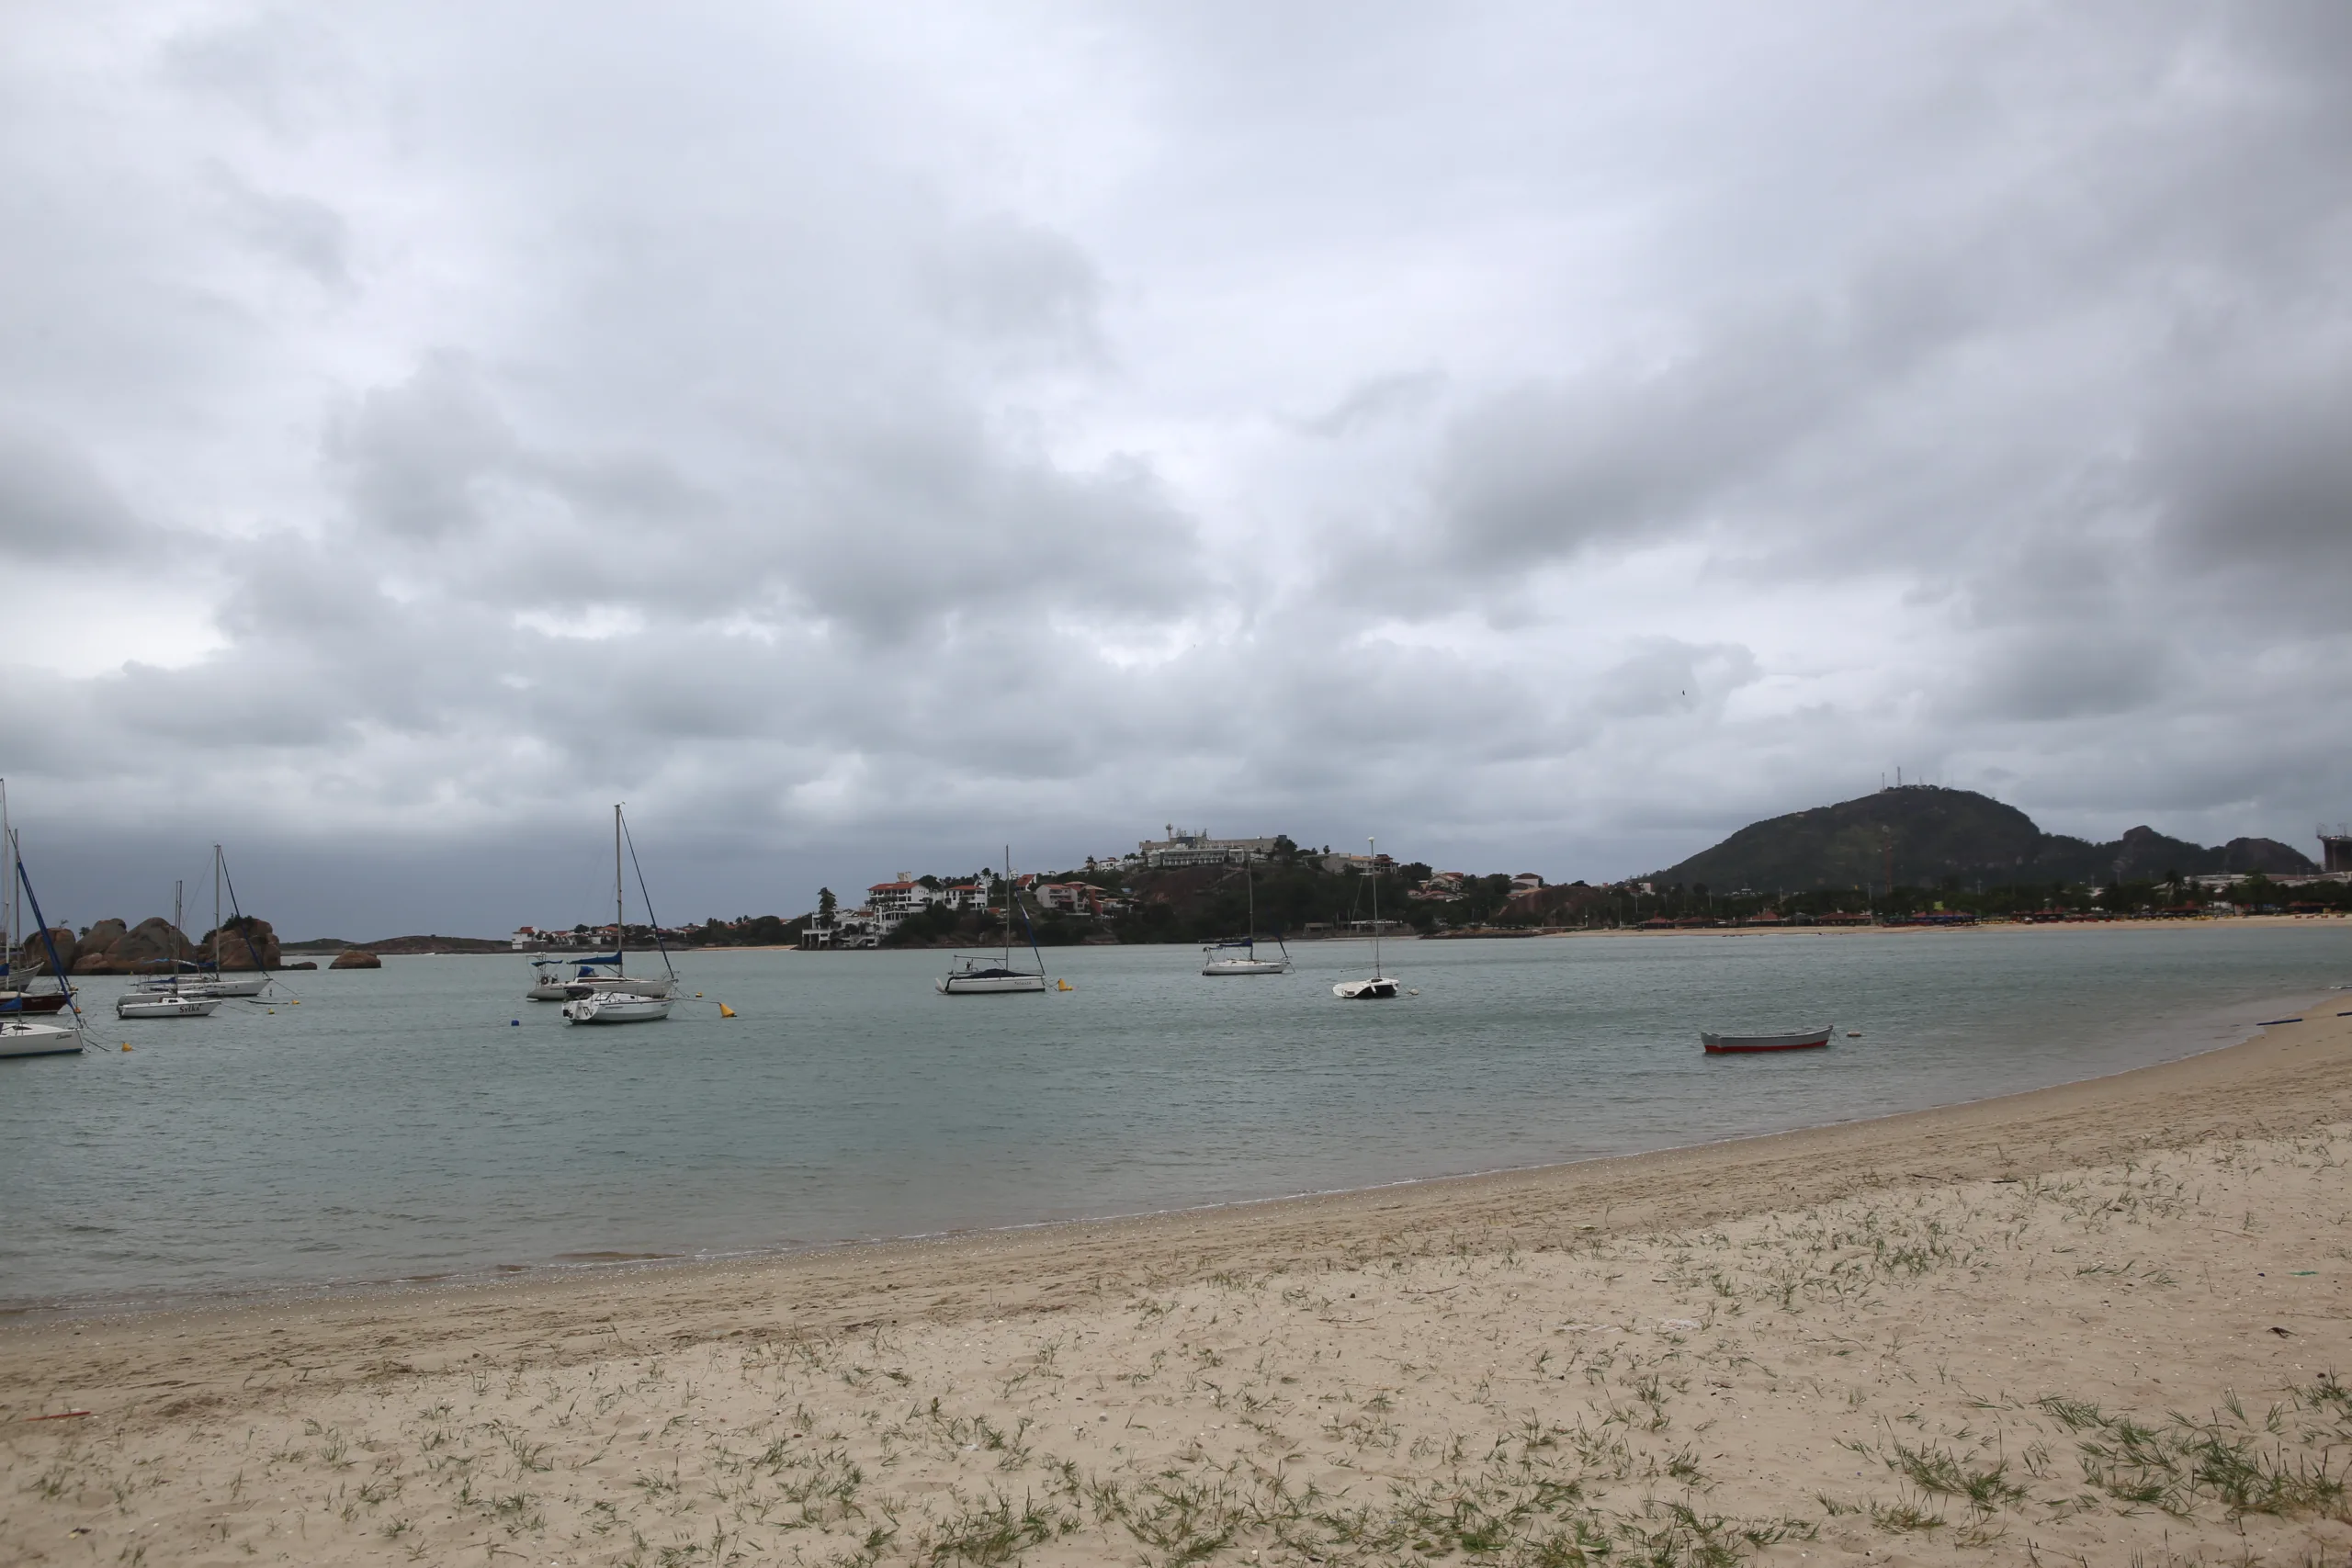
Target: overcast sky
[1548,436]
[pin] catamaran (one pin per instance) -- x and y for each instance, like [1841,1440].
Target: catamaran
[619,998]
[1249,963]
[1380,987]
[997,977]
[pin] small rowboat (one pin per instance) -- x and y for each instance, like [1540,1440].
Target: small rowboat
[1736,1044]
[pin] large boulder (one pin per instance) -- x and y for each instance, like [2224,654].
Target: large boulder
[153,946]
[33,959]
[356,958]
[247,943]
[95,952]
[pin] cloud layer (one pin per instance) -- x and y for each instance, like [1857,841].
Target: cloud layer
[864,437]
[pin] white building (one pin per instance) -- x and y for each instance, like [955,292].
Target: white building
[1196,848]
[892,902]
[850,928]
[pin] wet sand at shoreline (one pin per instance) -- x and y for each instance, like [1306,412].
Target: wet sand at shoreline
[2029,1320]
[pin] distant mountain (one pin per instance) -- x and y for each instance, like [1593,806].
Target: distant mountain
[1937,833]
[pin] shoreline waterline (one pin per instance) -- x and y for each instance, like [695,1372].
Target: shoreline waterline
[557,1283]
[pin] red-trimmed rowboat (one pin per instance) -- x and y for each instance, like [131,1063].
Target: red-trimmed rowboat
[1740,1045]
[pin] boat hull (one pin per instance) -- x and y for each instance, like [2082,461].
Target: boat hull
[1752,1044]
[1244,966]
[1379,989]
[618,986]
[989,985]
[166,1007]
[613,1007]
[37,1040]
[243,985]
[36,1002]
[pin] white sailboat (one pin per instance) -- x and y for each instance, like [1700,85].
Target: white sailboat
[997,977]
[1249,963]
[1380,987]
[196,979]
[620,998]
[161,996]
[18,1037]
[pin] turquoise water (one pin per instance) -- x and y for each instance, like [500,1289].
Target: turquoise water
[397,1126]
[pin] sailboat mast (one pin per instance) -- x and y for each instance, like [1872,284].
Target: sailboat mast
[1373,845]
[216,909]
[620,914]
[8,960]
[1008,906]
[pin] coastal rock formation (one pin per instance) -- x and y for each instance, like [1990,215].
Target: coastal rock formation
[356,958]
[302,964]
[110,949]
[33,958]
[247,943]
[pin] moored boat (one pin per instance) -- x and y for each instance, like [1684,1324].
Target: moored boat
[617,999]
[1249,963]
[997,978]
[981,977]
[18,1038]
[1742,1045]
[616,1007]
[32,1001]
[163,1004]
[1380,987]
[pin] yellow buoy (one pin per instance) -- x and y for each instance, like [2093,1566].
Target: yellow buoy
[125,1044]
[1064,985]
[726,1012]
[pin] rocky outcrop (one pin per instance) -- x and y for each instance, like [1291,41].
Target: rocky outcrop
[247,943]
[356,958]
[151,945]
[110,947]
[33,958]
[302,964]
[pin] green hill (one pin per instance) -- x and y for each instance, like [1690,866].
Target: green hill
[1934,834]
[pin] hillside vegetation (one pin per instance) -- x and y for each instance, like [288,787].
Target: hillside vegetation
[1937,835]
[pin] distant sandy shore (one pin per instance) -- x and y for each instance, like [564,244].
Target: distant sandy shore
[2095,1321]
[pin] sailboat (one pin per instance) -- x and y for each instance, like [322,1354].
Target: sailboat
[1249,963]
[19,1037]
[621,1000]
[200,979]
[996,977]
[161,996]
[14,1000]
[1380,987]
[604,973]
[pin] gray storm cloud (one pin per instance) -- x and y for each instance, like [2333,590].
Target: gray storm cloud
[852,436]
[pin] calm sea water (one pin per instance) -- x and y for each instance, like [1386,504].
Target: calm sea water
[397,1126]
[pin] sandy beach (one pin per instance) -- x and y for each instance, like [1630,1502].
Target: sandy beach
[2098,1323]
